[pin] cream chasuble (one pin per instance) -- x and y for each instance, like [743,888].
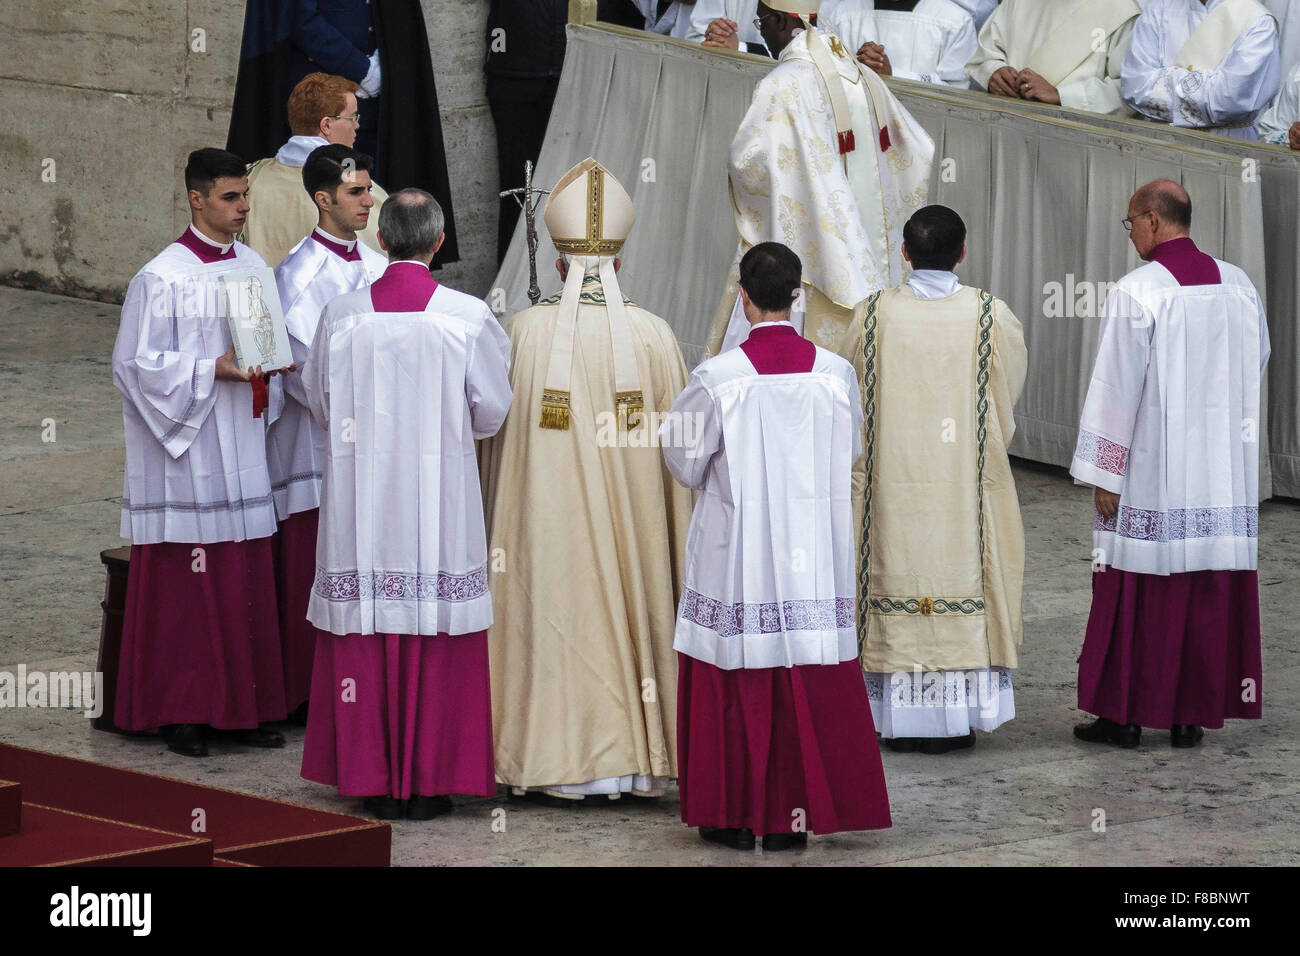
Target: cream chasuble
[590,529]
[1059,39]
[280,211]
[841,212]
[941,545]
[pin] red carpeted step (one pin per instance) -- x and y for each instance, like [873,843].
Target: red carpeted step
[11,807]
[242,828]
[52,837]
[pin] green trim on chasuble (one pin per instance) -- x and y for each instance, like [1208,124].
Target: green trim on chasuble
[925,605]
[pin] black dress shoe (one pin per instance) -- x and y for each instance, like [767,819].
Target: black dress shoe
[1103,730]
[785,841]
[259,737]
[383,807]
[426,808]
[731,837]
[298,717]
[1185,735]
[185,739]
[902,745]
[941,745]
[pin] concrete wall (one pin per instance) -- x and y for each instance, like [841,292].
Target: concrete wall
[108,97]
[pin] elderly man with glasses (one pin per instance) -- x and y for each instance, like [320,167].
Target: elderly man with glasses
[1169,442]
[322,110]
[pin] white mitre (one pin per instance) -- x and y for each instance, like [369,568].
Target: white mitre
[589,215]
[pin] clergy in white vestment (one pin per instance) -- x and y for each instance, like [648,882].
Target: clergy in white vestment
[1169,441]
[1280,124]
[200,641]
[326,263]
[1203,65]
[941,549]
[590,524]
[670,18]
[775,736]
[728,24]
[829,163]
[926,40]
[404,375]
[322,110]
[1061,52]
[980,10]
[1287,14]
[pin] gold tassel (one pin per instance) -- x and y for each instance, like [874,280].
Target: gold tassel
[555,410]
[630,407]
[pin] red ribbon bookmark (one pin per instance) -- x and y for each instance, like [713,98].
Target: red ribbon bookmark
[260,400]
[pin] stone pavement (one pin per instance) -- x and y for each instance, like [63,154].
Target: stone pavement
[1025,795]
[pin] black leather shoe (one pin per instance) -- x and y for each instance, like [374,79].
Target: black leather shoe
[902,745]
[185,739]
[1103,730]
[774,842]
[729,837]
[1185,735]
[383,807]
[941,745]
[259,737]
[426,808]
[298,717]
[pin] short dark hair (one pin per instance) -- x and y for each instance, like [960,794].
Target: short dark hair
[1173,206]
[205,166]
[934,237]
[410,223]
[770,274]
[325,167]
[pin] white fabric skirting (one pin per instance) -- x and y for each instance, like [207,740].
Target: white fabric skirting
[940,703]
[1041,188]
[639,784]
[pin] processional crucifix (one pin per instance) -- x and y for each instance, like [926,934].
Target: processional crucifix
[528,198]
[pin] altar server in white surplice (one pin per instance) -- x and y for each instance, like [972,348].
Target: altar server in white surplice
[1211,66]
[728,24]
[1169,441]
[670,19]
[980,10]
[1280,124]
[328,262]
[926,40]
[404,375]
[1287,14]
[200,644]
[775,736]
[1061,52]
[829,163]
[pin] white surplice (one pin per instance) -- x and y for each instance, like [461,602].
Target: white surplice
[770,556]
[402,547]
[195,455]
[1287,13]
[1276,121]
[1227,98]
[939,703]
[1022,32]
[932,43]
[980,10]
[1171,423]
[675,21]
[308,279]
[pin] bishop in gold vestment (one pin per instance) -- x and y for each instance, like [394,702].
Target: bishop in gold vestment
[941,546]
[587,527]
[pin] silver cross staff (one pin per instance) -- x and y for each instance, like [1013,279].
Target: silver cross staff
[528,198]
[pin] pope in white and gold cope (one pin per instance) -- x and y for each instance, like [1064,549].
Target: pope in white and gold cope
[829,163]
[587,525]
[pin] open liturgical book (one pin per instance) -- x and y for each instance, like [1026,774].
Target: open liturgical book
[256,319]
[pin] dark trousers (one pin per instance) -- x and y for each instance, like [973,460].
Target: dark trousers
[520,110]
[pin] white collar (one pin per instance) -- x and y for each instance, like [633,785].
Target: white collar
[933,283]
[298,148]
[346,244]
[414,262]
[768,325]
[224,247]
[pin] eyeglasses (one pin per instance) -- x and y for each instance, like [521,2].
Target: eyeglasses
[758,22]
[1128,223]
[354,118]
